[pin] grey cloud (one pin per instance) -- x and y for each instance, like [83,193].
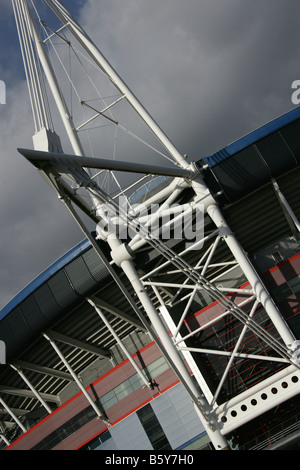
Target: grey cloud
[34,227]
[205,68]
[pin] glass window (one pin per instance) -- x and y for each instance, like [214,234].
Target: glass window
[158,366]
[136,382]
[282,292]
[120,388]
[153,428]
[105,436]
[107,403]
[94,444]
[295,284]
[107,400]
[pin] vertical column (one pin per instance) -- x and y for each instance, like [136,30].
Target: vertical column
[12,414]
[205,413]
[120,343]
[257,285]
[4,439]
[32,388]
[76,379]
[285,205]
[86,42]
[53,84]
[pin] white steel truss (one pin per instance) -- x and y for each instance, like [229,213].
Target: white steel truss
[211,272]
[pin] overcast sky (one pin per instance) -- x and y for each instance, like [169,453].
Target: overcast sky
[209,71]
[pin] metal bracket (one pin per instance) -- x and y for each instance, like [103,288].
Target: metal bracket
[258,399]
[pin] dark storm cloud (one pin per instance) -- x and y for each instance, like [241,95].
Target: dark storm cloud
[209,71]
[31,217]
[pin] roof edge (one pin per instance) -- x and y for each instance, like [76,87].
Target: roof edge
[67,258]
[253,137]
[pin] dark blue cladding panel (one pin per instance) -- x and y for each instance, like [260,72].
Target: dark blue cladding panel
[253,137]
[21,331]
[8,336]
[45,276]
[240,173]
[96,267]
[46,302]
[80,276]
[291,134]
[276,153]
[255,159]
[32,314]
[62,290]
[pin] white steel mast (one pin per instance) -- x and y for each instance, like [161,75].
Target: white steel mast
[122,254]
[198,184]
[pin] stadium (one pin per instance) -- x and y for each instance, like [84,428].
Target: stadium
[153,342]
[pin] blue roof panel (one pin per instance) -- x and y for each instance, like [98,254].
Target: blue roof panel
[212,161]
[45,276]
[253,137]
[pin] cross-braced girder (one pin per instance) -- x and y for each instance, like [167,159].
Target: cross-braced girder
[178,251]
[34,389]
[194,275]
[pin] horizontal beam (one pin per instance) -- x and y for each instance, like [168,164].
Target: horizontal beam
[78,344]
[258,399]
[21,392]
[17,411]
[237,354]
[40,159]
[118,313]
[43,370]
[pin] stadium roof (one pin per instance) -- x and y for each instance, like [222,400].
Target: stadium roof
[55,301]
[253,160]
[45,276]
[236,169]
[253,137]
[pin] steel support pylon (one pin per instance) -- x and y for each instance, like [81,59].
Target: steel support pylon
[102,209]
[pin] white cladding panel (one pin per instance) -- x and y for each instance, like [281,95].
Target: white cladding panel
[176,415]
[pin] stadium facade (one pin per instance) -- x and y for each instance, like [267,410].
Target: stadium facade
[55,303]
[154,343]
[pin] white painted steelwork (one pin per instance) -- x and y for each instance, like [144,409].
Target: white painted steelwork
[75,378]
[193,278]
[32,388]
[13,415]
